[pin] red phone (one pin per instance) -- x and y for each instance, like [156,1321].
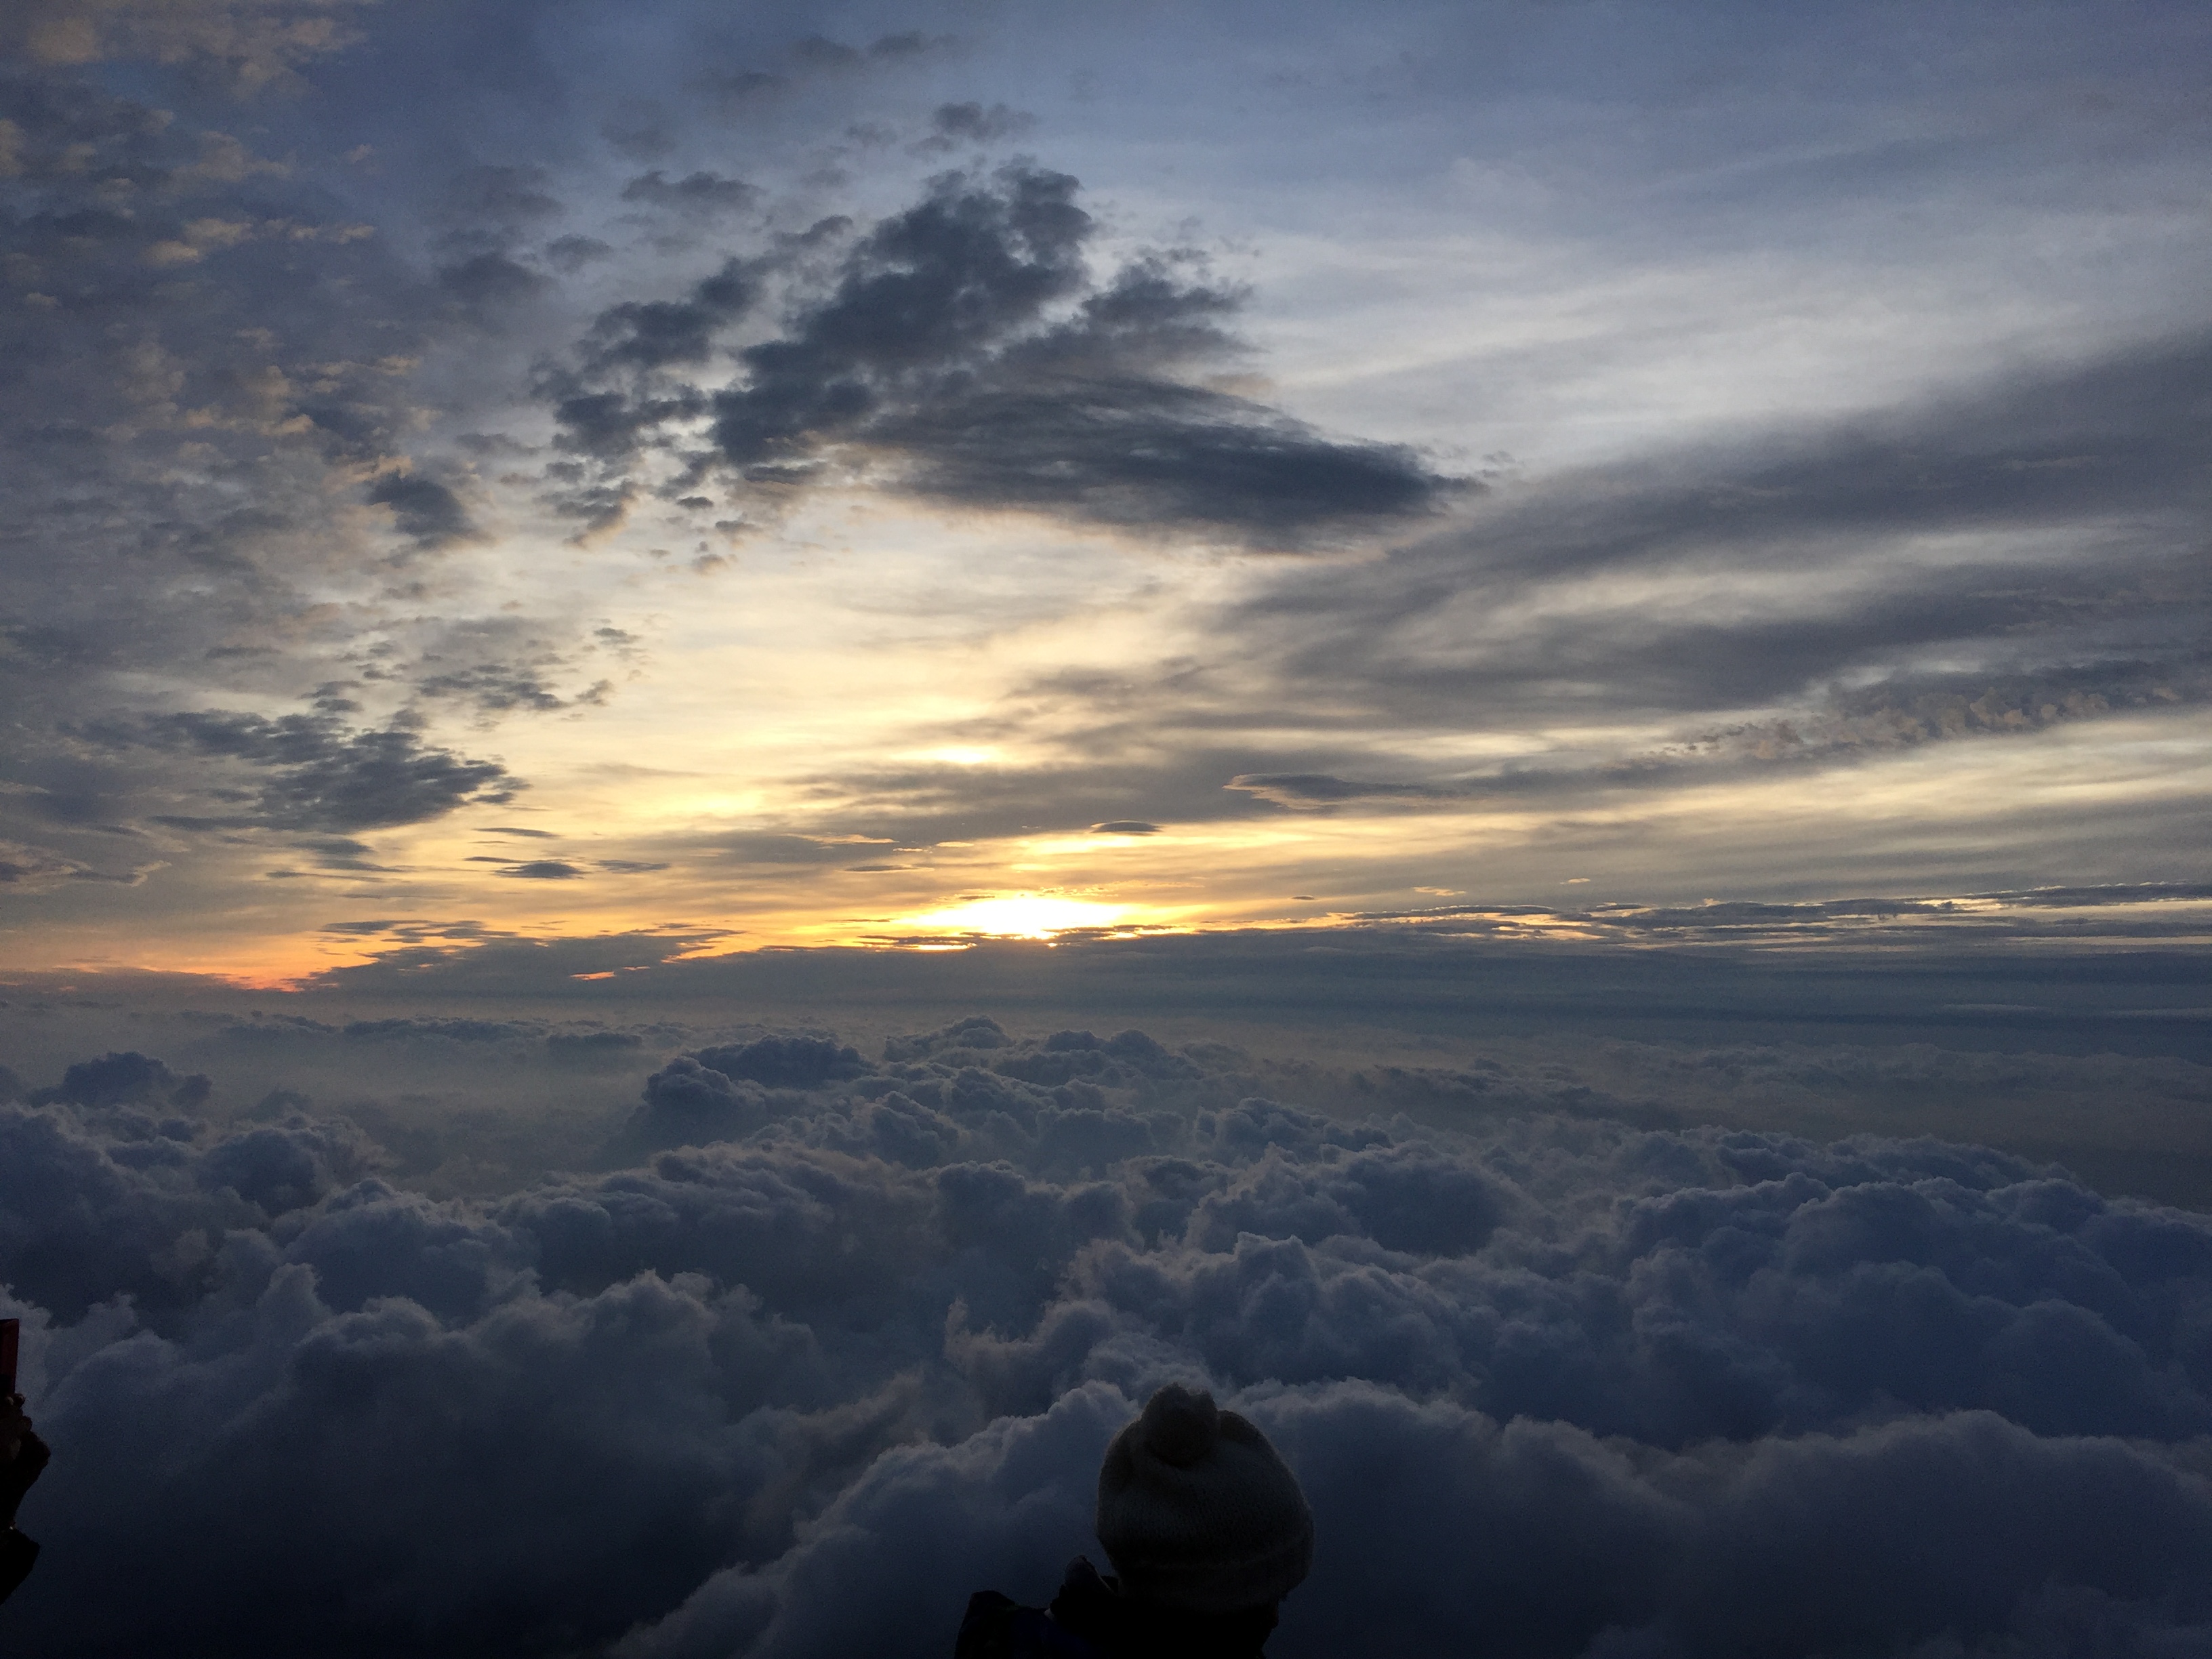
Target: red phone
[11,1332]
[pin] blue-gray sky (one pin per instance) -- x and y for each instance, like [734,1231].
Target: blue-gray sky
[796,474]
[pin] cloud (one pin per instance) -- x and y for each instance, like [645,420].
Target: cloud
[702,194]
[423,508]
[125,1078]
[851,1342]
[490,286]
[504,195]
[952,126]
[1315,788]
[326,775]
[570,254]
[772,849]
[427,952]
[27,869]
[499,688]
[651,335]
[1799,577]
[218,375]
[960,352]
[445,1029]
[248,46]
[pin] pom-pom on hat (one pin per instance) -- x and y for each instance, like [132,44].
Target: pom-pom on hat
[1196,1510]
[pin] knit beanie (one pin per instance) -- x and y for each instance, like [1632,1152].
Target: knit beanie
[1197,1511]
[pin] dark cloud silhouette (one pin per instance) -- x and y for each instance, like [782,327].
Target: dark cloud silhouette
[735,90]
[572,254]
[701,194]
[1315,788]
[657,334]
[449,1029]
[951,125]
[590,1044]
[964,344]
[125,1078]
[323,774]
[801,849]
[854,1341]
[498,688]
[203,381]
[501,195]
[784,1062]
[1891,650]
[423,508]
[490,285]
[819,51]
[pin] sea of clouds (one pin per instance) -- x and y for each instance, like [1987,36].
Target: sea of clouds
[827,1340]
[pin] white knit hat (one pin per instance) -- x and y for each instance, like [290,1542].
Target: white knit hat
[1196,1510]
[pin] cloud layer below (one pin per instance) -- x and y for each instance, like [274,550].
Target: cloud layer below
[832,1338]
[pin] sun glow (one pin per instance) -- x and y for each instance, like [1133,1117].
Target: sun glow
[1025,916]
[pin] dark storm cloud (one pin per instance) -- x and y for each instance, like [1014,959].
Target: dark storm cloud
[659,334]
[734,88]
[570,254]
[1146,454]
[2101,453]
[483,197]
[1319,788]
[964,345]
[915,807]
[323,774]
[445,1029]
[30,868]
[490,287]
[702,194]
[1907,710]
[209,357]
[800,849]
[855,1346]
[521,680]
[125,1078]
[2139,892]
[428,951]
[951,125]
[423,508]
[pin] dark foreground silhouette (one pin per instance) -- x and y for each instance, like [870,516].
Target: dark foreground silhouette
[1206,1531]
[23,1457]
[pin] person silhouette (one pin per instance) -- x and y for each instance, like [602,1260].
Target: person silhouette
[23,1458]
[1206,1531]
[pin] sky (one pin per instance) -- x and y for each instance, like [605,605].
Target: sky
[853,475]
[755,754]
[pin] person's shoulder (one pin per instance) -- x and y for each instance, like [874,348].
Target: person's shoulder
[18,1555]
[987,1631]
[999,1627]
